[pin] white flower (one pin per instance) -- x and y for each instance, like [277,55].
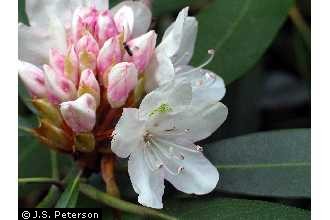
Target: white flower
[171,58]
[159,139]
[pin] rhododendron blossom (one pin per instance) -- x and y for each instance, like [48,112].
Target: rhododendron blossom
[95,75]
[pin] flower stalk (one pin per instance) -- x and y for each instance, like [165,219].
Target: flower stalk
[114,202]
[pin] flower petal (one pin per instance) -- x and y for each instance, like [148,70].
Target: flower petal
[38,11]
[128,133]
[197,175]
[142,16]
[59,87]
[33,79]
[176,95]
[140,50]
[109,54]
[56,61]
[105,27]
[98,4]
[179,39]
[80,114]
[206,85]
[34,42]
[121,81]
[159,72]
[83,20]
[89,84]
[207,118]
[87,50]
[124,20]
[147,183]
[71,65]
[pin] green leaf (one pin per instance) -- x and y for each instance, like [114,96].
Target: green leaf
[69,197]
[273,163]
[32,161]
[240,31]
[160,7]
[34,158]
[29,121]
[21,12]
[232,209]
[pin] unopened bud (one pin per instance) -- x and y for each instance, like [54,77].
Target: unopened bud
[55,135]
[48,111]
[89,84]
[84,142]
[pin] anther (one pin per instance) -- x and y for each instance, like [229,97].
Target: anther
[199,148]
[180,169]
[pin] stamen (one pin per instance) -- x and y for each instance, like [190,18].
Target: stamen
[150,159]
[169,144]
[160,148]
[156,154]
[211,52]
[180,169]
[174,129]
[181,157]
[199,148]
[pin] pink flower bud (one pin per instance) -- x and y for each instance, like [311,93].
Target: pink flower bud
[87,49]
[84,20]
[89,84]
[87,43]
[33,79]
[59,88]
[109,55]
[80,114]
[105,27]
[121,81]
[140,50]
[77,26]
[124,20]
[71,66]
[56,61]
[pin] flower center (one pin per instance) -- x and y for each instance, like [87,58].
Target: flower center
[163,108]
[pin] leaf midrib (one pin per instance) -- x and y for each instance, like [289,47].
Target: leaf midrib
[235,24]
[263,165]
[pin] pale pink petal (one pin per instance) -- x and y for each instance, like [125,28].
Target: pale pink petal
[80,114]
[56,61]
[109,55]
[105,27]
[140,50]
[33,79]
[141,16]
[124,20]
[89,84]
[121,81]
[84,19]
[71,65]
[87,49]
[60,88]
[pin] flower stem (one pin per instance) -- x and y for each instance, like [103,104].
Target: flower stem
[54,192]
[114,202]
[45,180]
[108,175]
